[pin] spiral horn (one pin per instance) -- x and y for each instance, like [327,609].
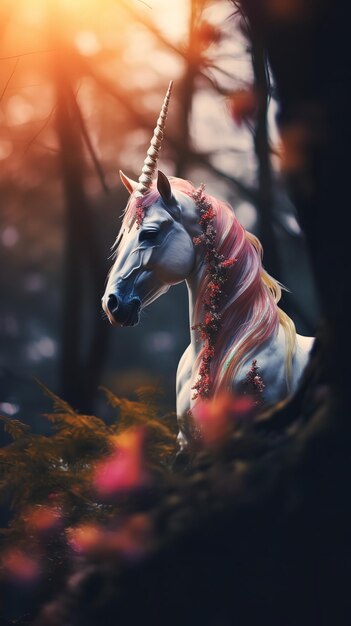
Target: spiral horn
[150,164]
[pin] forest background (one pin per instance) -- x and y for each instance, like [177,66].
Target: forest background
[81,85]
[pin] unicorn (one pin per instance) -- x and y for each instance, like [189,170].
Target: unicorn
[171,233]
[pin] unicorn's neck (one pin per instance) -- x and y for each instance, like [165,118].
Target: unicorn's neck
[197,280]
[196,316]
[247,302]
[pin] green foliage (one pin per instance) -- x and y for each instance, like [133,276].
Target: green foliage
[14,428]
[37,469]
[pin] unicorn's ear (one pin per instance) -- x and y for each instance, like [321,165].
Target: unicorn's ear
[165,190]
[164,187]
[129,184]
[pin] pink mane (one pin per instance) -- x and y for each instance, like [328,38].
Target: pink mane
[249,313]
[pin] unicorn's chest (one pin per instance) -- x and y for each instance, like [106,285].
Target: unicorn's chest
[184,398]
[184,395]
[184,383]
[270,360]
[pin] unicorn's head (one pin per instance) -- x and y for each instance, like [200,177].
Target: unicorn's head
[154,249]
[152,253]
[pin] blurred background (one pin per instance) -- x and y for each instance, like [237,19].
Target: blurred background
[81,86]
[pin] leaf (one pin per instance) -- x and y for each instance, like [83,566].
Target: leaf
[77,422]
[92,422]
[131,411]
[149,394]
[161,429]
[59,404]
[61,420]
[111,397]
[15,428]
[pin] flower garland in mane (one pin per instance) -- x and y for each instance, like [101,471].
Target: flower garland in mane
[217,267]
[237,302]
[139,212]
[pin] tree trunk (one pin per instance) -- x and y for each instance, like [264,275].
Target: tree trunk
[309,56]
[186,91]
[84,271]
[265,190]
[72,176]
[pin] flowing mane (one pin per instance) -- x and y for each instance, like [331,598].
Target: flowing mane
[249,314]
[249,310]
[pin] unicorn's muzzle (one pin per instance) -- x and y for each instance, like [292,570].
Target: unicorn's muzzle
[123,311]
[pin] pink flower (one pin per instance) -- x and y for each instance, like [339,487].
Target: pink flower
[208,34]
[208,215]
[208,353]
[139,212]
[244,105]
[214,288]
[228,262]
[20,567]
[209,318]
[198,240]
[216,418]
[134,537]
[124,469]
[43,519]
[85,538]
[211,423]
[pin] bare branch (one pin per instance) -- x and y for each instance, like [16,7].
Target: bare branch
[116,92]
[216,67]
[86,137]
[146,4]
[152,28]
[9,80]
[144,122]
[35,137]
[208,76]
[43,146]
[246,191]
[25,54]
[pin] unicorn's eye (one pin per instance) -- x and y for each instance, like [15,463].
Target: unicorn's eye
[148,235]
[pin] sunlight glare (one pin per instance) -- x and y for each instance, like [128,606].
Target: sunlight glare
[87,43]
[18,111]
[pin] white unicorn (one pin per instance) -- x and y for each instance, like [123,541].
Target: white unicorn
[172,233]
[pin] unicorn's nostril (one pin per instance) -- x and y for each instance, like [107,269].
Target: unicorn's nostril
[122,311]
[112,303]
